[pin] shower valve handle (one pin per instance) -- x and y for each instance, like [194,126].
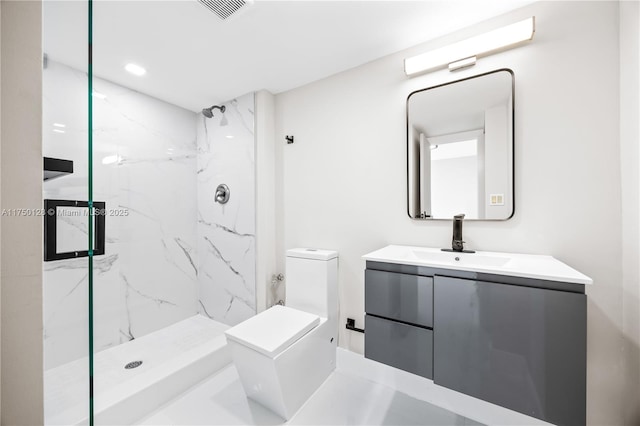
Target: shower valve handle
[222,194]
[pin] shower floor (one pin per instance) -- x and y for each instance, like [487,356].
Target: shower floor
[173,360]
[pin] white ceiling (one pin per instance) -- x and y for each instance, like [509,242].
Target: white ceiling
[194,59]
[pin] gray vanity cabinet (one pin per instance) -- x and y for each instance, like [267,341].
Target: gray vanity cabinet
[516,342]
[400,345]
[401,297]
[399,321]
[519,347]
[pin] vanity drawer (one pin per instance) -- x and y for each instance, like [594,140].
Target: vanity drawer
[399,345]
[402,297]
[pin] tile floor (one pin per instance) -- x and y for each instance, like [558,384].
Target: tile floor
[344,399]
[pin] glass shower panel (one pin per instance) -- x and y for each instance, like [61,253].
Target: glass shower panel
[178,267]
[66,269]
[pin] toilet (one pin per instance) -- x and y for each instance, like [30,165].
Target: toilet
[286,352]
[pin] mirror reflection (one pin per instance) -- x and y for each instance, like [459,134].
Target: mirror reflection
[460,149]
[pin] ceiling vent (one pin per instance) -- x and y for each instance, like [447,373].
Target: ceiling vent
[224,8]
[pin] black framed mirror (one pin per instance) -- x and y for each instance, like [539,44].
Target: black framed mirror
[460,139]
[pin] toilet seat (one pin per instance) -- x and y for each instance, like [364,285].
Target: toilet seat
[272,331]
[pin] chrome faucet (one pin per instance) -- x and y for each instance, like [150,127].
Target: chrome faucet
[456,241]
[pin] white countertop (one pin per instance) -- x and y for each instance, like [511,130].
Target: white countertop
[511,264]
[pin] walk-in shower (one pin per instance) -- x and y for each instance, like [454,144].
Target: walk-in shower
[177,268]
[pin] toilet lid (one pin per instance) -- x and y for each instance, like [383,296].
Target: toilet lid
[273,330]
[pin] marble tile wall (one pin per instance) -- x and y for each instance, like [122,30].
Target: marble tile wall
[171,251]
[145,170]
[226,232]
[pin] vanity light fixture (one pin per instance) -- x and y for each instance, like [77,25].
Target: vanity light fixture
[135,69]
[464,53]
[462,63]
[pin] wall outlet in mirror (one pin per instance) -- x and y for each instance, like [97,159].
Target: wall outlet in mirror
[496,200]
[460,148]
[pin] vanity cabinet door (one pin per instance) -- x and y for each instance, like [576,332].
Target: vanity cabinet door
[402,297]
[399,345]
[519,347]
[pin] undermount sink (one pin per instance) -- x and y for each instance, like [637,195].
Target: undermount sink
[513,264]
[458,259]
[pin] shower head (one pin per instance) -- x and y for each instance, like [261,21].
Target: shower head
[208,112]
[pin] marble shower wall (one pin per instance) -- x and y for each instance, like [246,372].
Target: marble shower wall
[171,252]
[226,232]
[145,170]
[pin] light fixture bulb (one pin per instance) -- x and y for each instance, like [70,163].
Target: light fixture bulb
[135,69]
[111,159]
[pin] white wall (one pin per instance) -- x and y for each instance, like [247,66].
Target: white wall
[630,178]
[344,180]
[21,52]
[454,187]
[0,226]
[497,157]
[424,181]
[266,290]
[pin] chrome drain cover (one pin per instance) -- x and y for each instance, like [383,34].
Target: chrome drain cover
[133,364]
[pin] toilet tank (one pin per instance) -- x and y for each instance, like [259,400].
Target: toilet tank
[312,281]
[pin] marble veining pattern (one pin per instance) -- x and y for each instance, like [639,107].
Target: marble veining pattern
[144,165]
[226,233]
[175,252]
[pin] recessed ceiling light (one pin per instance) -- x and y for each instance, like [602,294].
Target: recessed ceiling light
[229,136]
[59,125]
[99,95]
[135,69]
[59,131]
[111,159]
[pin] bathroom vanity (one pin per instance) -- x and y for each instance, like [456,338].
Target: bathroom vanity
[506,328]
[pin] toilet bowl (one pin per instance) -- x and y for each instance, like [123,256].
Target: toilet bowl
[286,352]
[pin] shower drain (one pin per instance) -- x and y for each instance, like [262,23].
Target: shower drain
[133,364]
